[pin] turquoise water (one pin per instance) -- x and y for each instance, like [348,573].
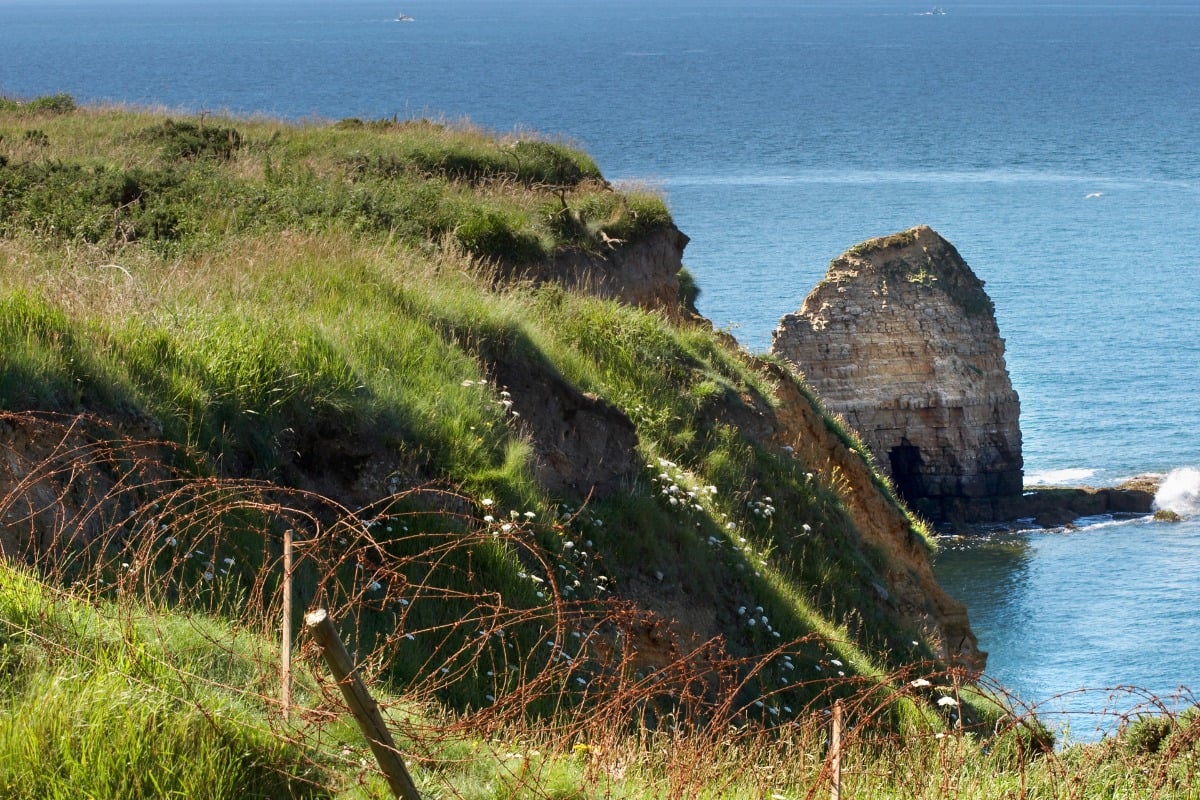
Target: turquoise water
[1054,144]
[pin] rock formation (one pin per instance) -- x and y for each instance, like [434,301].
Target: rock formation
[901,340]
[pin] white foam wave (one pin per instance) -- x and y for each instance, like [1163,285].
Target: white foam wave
[1059,477]
[1180,492]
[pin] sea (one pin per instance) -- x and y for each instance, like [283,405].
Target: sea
[1054,143]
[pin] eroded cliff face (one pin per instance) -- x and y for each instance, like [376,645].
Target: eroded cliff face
[643,272]
[792,423]
[901,340]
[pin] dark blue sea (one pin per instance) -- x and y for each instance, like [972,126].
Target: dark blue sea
[1054,143]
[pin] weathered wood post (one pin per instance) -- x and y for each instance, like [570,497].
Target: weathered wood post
[835,752]
[361,704]
[285,660]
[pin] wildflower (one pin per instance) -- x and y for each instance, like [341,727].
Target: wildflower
[208,576]
[410,637]
[376,586]
[920,683]
[172,541]
[228,561]
[489,519]
[836,662]
[947,701]
[530,514]
[468,383]
[486,502]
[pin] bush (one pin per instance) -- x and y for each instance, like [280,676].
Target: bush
[60,103]
[490,233]
[190,140]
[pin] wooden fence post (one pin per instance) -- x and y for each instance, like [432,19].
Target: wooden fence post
[285,661]
[361,704]
[835,750]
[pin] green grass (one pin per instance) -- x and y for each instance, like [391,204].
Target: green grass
[101,699]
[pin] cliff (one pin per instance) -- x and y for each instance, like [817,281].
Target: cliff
[402,322]
[901,340]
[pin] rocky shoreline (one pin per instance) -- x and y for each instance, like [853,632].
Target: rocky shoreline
[1061,506]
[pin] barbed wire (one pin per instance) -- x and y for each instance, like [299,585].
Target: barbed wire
[413,582]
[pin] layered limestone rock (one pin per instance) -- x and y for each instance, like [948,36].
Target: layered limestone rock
[901,340]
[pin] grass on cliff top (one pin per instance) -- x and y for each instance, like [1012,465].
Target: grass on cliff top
[111,176]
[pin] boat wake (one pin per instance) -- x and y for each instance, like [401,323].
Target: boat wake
[1180,492]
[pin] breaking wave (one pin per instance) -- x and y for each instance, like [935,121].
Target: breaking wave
[1059,477]
[1180,492]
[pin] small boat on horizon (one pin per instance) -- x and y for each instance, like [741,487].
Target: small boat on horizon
[936,11]
[405,18]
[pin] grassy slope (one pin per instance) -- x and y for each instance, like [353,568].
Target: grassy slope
[263,290]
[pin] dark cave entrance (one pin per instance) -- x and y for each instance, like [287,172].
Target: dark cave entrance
[906,464]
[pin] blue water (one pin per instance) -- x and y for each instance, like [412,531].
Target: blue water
[1053,143]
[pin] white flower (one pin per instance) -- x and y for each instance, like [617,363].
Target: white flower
[836,662]
[920,683]
[530,514]
[486,502]
[947,701]
[228,561]
[489,519]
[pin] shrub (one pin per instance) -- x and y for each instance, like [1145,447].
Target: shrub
[190,140]
[60,103]
[490,233]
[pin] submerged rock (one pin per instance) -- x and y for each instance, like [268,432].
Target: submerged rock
[901,340]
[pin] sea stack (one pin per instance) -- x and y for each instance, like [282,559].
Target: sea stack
[901,340]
